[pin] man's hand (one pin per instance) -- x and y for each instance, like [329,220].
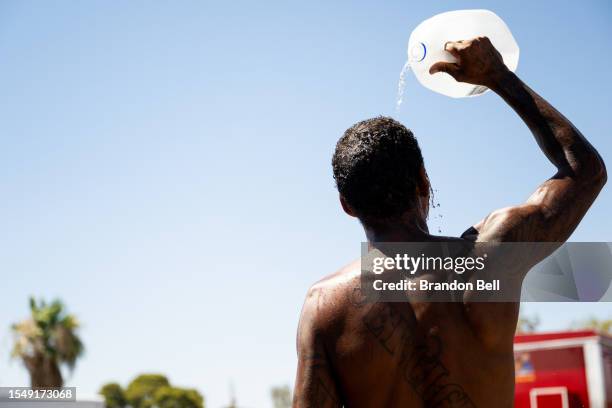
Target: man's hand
[478,62]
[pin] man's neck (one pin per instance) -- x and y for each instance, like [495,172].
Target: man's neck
[402,231]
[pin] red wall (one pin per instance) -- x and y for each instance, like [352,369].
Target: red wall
[551,368]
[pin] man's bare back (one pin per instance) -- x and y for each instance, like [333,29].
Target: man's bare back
[400,354]
[356,353]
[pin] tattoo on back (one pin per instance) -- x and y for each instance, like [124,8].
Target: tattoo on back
[419,358]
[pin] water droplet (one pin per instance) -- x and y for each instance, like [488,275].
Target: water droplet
[437,216]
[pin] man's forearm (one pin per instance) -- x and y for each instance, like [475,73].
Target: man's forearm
[562,143]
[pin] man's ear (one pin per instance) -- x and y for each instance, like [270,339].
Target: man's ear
[423,192]
[423,187]
[346,207]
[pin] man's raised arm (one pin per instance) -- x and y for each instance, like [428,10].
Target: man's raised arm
[554,210]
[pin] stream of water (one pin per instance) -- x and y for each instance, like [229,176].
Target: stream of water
[401,87]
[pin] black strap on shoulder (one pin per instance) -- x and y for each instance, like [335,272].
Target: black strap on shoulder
[471,234]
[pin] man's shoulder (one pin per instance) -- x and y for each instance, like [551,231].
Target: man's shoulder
[343,276]
[327,299]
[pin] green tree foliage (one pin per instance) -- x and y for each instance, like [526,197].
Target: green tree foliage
[281,396]
[602,326]
[150,391]
[172,397]
[114,396]
[141,390]
[45,341]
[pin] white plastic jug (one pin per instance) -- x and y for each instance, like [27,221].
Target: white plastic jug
[426,47]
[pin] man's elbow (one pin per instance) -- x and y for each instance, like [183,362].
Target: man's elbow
[592,172]
[601,174]
[604,172]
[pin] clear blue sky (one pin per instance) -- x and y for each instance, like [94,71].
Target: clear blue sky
[165,166]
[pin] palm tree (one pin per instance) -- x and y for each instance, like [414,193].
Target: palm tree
[45,341]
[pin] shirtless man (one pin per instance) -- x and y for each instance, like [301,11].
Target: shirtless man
[415,354]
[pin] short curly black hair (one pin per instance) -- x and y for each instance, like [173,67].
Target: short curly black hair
[377,165]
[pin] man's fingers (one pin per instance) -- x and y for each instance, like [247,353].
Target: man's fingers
[453,47]
[450,68]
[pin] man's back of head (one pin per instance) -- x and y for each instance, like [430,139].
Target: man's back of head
[378,168]
[379,171]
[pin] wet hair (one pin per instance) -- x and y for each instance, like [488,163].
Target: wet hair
[377,166]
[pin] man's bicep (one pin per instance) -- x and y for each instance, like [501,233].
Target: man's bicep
[510,224]
[315,386]
[550,214]
[562,202]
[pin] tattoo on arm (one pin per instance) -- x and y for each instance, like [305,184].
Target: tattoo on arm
[317,388]
[315,385]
